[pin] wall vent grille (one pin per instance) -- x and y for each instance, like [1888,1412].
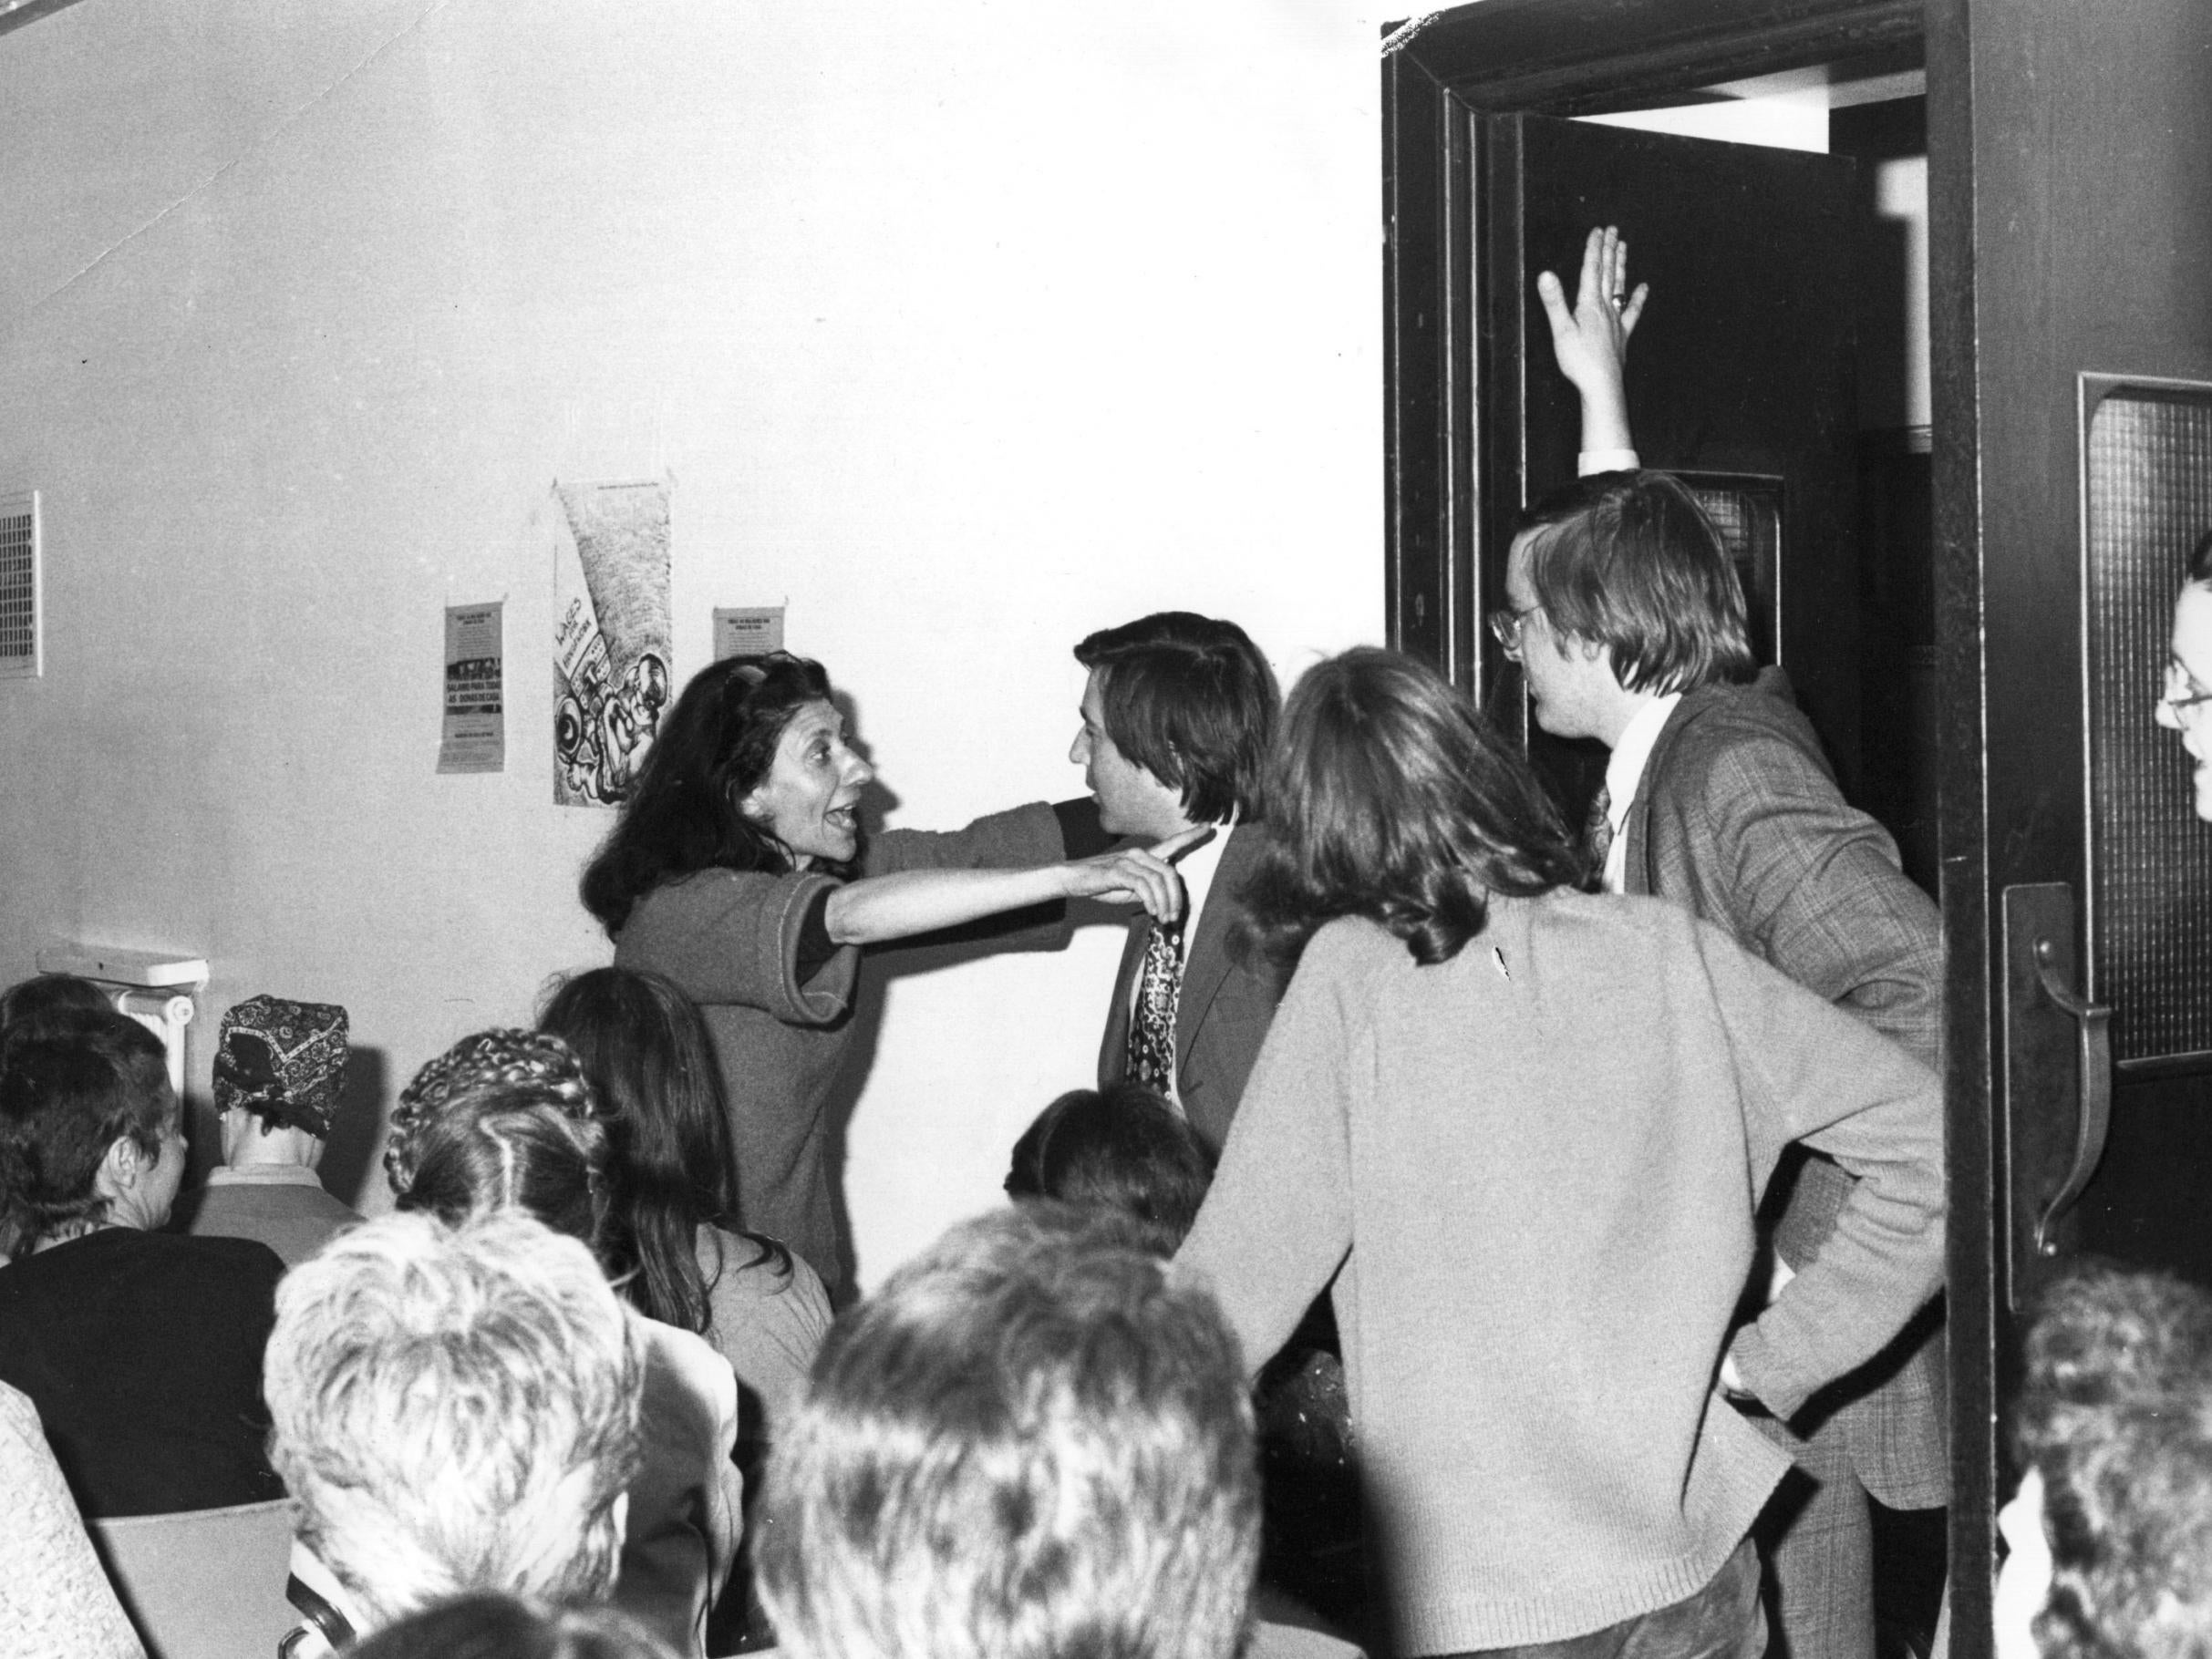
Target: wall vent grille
[19,585]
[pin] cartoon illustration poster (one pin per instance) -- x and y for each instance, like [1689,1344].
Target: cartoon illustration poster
[611,628]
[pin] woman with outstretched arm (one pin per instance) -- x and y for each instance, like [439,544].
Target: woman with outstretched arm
[737,870]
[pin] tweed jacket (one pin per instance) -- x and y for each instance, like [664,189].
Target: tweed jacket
[1739,818]
[1227,1001]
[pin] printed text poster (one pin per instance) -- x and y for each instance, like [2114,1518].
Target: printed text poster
[750,630]
[475,737]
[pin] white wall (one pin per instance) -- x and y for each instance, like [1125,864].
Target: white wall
[965,329]
[1793,118]
[1894,388]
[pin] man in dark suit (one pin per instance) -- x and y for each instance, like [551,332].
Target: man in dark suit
[1628,620]
[1178,715]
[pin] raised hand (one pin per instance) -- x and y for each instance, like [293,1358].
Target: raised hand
[1590,340]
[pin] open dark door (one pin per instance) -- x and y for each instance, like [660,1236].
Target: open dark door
[2071,204]
[2074,472]
[1740,380]
[2070,152]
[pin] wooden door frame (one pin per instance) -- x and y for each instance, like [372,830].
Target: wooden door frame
[1567,57]
[14,13]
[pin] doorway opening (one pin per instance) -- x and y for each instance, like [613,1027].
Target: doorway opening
[1480,424]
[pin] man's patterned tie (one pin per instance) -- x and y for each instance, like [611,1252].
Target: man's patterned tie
[1597,830]
[1152,1025]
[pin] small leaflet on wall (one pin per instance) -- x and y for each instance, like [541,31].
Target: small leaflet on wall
[751,631]
[475,739]
[611,631]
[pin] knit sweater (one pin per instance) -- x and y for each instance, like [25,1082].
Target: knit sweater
[53,1597]
[731,940]
[768,1320]
[281,1205]
[1536,1165]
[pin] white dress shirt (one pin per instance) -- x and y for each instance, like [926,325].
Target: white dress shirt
[1625,776]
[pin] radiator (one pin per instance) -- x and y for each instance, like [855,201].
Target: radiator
[156,988]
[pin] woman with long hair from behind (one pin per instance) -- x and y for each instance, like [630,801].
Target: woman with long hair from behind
[672,1241]
[1520,1132]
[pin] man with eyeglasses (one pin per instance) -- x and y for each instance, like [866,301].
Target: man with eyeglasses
[1628,620]
[2188,669]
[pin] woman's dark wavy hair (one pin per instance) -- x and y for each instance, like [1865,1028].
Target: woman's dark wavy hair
[672,1170]
[87,1079]
[714,748]
[1389,797]
[1121,1149]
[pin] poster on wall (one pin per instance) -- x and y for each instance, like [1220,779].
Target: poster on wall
[747,631]
[611,628]
[475,736]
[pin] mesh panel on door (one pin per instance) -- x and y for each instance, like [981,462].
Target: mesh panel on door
[2148,492]
[1746,508]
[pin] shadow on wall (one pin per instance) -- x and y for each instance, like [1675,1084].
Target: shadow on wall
[349,1157]
[1043,927]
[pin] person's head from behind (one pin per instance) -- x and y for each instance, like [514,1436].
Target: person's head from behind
[2186,694]
[1615,585]
[31,1008]
[1122,1149]
[1032,1442]
[2110,1534]
[750,771]
[91,1134]
[1390,797]
[1177,717]
[455,1408]
[489,1626]
[279,1072]
[651,1064]
[504,1120]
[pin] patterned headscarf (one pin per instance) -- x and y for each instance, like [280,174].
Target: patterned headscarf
[283,1061]
[504,1055]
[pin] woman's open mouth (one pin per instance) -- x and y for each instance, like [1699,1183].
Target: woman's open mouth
[845,819]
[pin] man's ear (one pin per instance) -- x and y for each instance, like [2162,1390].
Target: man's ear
[119,1168]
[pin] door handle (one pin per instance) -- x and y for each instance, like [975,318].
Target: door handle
[2092,1120]
[2057,1082]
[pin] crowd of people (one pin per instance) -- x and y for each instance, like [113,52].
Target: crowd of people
[1484,1231]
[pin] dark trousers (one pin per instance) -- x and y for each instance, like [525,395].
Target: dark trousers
[1723,1620]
